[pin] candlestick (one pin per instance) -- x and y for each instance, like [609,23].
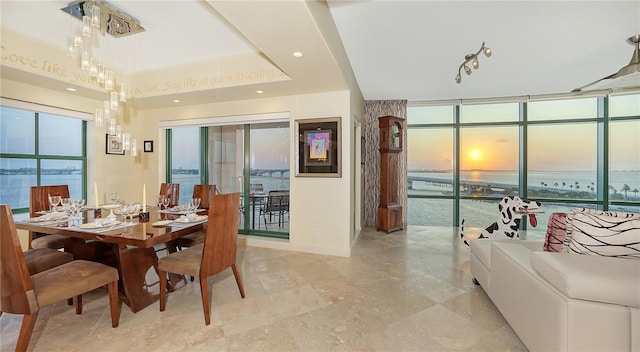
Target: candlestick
[144,198]
[95,190]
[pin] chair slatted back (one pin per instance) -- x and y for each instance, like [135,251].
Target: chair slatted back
[172,190]
[204,192]
[220,243]
[277,201]
[16,290]
[39,197]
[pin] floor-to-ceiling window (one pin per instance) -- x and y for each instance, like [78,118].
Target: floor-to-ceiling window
[40,148]
[185,164]
[250,158]
[565,152]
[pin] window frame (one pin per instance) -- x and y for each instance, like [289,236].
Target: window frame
[601,119]
[37,109]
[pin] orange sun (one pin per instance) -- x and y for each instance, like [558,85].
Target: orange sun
[476,155]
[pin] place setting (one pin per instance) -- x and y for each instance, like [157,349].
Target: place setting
[188,214]
[184,209]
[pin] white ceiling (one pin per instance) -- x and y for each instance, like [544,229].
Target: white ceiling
[397,49]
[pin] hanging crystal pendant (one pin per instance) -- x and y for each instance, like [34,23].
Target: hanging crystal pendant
[86,26]
[86,60]
[70,47]
[126,141]
[108,80]
[77,38]
[114,101]
[107,109]
[119,133]
[98,117]
[100,73]
[112,126]
[95,16]
[134,147]
[123,92]
[93,69]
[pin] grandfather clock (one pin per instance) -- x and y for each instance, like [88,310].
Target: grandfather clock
[391,144]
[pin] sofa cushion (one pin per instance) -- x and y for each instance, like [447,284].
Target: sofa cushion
[572,213]
[481,248]
[556,232]
[608,234]
[592,278]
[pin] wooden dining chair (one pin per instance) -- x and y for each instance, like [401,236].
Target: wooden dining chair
[39,201]
[216,254]
[172,190]
[25,294]
[205,193]
[41,259]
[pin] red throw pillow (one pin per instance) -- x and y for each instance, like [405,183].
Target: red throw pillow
[556,232]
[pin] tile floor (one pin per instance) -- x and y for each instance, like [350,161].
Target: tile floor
[409,290]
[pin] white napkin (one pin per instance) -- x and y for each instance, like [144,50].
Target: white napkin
[56,215]
[106,222]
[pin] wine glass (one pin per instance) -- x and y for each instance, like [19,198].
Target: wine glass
[160,201]
[65,202]
[134,209]
[54,201]
[78,203]
[115,197]
[165,202]
[196,203]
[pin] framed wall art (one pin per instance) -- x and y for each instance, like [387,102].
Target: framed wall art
[113,146]
[148,146]
[319,147]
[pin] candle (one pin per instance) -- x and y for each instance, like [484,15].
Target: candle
[95,190]
[144,198]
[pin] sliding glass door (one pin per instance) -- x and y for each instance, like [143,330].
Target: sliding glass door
[252,159]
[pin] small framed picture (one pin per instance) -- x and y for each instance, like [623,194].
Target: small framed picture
[113,146]
[148,146]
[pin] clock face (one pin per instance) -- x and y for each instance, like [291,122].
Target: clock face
[394,136]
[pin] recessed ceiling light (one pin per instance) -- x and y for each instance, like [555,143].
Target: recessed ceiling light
[176,100]
[297,54]
[72,89]
[259,91]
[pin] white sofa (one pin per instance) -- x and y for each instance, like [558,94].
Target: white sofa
[561,301]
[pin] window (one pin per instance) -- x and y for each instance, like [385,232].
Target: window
[185,160]
[39,148]
[554,151]
[251,158]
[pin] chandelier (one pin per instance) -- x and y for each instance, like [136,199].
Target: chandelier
[473,58]
[98,18]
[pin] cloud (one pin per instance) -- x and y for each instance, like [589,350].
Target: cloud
[502,140]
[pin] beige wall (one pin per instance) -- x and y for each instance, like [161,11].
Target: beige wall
[324,204]
[331,206]
[318,203]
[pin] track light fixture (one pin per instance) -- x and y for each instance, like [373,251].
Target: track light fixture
[473,58]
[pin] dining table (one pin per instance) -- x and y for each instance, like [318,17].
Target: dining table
[128,245]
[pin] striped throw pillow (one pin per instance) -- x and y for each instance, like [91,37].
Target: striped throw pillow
[611,234]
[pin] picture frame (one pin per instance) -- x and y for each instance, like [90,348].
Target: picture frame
[318,148]
[148,146]
[113,146]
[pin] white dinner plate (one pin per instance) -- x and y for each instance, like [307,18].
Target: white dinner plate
[186,220]
[99,225]
[111,206]
[162,222]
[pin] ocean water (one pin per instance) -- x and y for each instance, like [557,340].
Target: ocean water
[14,190]
[480,214]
